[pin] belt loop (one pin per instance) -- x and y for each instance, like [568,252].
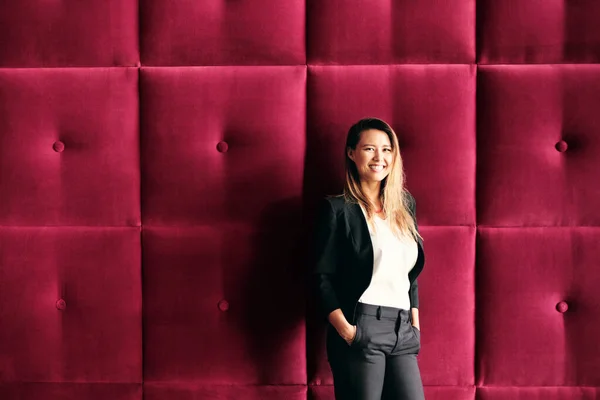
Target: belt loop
[379,312]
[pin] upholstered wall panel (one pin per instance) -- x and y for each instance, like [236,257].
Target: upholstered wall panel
[39,33]
[186,32]
[231,337]
[71,305]
[538,145]
[538,31]
[552,336]
[390,32]
[433,108]
[211,132]
[69,148]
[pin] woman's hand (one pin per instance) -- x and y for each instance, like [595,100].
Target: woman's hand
[415,318]
[349,334]
[342,326]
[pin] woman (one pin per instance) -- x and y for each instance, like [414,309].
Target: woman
[368,256]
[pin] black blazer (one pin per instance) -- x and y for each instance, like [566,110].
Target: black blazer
[344,257]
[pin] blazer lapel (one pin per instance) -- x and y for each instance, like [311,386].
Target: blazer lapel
[359,231]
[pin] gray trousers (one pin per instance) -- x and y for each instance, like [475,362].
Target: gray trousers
[381,362]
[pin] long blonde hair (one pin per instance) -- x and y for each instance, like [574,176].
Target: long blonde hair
[394,196]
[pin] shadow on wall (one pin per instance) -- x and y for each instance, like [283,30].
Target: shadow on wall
[582,38]
[269,284]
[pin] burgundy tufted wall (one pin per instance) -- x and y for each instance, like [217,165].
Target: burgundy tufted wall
[160,161]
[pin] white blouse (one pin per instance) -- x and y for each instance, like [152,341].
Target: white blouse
[393,259]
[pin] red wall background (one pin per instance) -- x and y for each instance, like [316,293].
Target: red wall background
[160,161]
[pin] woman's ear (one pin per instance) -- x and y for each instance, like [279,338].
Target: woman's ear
[350,153]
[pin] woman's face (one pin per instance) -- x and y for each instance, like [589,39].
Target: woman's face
[373,155]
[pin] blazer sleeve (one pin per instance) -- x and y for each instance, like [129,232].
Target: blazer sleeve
[326,258]
[414,294]
[414,288]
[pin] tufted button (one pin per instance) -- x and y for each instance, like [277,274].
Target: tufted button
[561,146]
[222,147]
[562,307]
[223,305]
[61,304]
[58,146]
[318,382]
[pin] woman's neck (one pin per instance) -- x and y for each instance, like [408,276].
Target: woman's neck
[371,191]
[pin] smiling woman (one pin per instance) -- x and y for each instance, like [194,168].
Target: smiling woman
[375,174]
[368,256]
[372,156]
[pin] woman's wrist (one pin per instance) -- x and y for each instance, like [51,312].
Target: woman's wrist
[415,318]
[341,325]
[347,332]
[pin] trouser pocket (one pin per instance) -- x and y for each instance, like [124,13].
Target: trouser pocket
[359,332]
